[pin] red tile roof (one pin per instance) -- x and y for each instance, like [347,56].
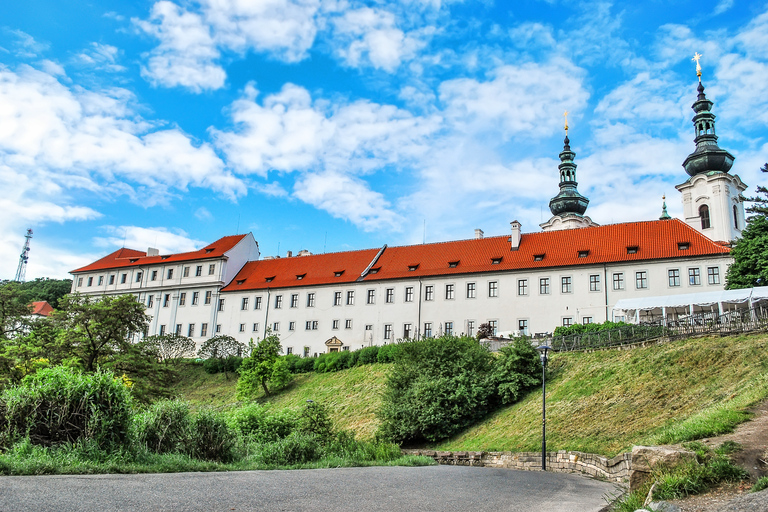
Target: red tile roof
[122,258]
[41,308]
[603,244]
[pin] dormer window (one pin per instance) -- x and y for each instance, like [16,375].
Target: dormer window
[583,254]
[538,257]
[683,246]
[376,270]
[208,251]
[453,264]
[338,273]
[411,268]
[496,261]
[632,249]
[240,281]
[164,257]
[134,260]
[270,279]
[300,276]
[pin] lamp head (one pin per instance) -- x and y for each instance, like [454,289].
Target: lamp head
[543,349]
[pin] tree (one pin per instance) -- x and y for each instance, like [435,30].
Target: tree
[517,370]
[95,329]
[170,347]
[221,347]
[750,254]
[263,367]
[485,331]
[49,290]
[14,311]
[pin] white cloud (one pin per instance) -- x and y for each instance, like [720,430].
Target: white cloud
[645,98]
[101,57]
[722,6]
[135,237]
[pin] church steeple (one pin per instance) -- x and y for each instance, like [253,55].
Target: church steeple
[568,201]
[664,214]
[708,156]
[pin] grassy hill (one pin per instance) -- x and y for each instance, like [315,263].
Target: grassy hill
[601,402]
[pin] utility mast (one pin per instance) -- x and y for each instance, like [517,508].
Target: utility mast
[22,270]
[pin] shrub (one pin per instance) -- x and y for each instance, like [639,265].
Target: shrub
[259,423]
[314,420]
[222,365]
[368,355]
[297,448]
[305,365]
[211,438]
[388,353]
[164,427]
[516,370]
[436,387]
[59,405]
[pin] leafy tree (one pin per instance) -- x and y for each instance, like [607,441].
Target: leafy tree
[485,331]
[49,290]
[264,366]
[96,329]
[14,311]
[171,347]
[517,370]
[221,347]
[750,254]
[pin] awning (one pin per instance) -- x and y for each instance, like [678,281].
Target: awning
[695,299]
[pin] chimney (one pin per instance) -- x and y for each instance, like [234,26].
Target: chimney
[516,236]
[304,252]
[290,253]
[151,251]
[478,234]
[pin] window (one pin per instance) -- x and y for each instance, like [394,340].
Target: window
[111,279]
[335,325]
[242,327]
[495,261]
[735,217]
[79,282]
[429,292]
[406,331]
[311,325]
[594,282]
[544,286]
[186,272]
[203,329]
[449,292]
[211,269]
[198,271]
[311,300]
[567,321]
[351,298]
[289,350]
[674,276]
[704,216]
[244,304]
[387,331]
[101,280]
[390,296]
[566,285]
[178,330]
[694,276]
[162,330]
[123,278]
[371,297]
[138,276]
[170,273]
[583,254]
[256,327]
[221,304]
[409,294]
[522,287]
[470,290]
[618,281]
[208,297]
[586,320]
[306,351]
[683,246]
[522,326]
[195,298]
[470,327]
[641,279]
[278,301]
[257,303]
[368,327]
[154,275]
[295,300]
[632,249]
[428,329]
[337,298]
[218,328]
[150,301]
[348,324]
[275,326]
[291,326]
[182,298]
[449,328]
[166,300]
[494,324]
[713,275]
[493,288]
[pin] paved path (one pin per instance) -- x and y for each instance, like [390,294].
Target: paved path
[417,489]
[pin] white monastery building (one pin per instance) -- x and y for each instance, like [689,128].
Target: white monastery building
[573,271]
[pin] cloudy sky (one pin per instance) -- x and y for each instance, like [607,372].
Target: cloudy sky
[331,125]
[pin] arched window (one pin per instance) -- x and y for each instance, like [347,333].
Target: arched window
[735,217]
[704,216]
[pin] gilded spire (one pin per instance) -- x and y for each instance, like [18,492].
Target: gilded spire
[697,57]
[565,115]
[664,214]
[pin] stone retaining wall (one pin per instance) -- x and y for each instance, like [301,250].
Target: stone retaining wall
[616,469]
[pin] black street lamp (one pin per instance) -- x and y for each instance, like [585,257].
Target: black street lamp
[543,349]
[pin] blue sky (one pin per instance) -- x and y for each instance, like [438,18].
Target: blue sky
[331,125]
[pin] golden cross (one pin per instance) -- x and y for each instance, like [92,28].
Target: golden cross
[696,57]
[565,115]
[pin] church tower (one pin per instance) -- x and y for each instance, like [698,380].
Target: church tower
[712,201]
[569,205]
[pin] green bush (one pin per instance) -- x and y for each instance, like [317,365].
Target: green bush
[259,423]
[60,405]
[164,427]
[297,448]
[516,370]
[388,353]
[305,365]
[436,387]
[314,419]
[221,365]
[211,437]
[368,355]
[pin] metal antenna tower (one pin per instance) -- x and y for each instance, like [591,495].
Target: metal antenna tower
[22,270]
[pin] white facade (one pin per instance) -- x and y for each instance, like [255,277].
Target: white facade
[712,205]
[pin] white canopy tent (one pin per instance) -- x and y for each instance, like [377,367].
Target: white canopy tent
[683,305]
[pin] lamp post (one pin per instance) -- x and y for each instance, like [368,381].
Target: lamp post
[543,349]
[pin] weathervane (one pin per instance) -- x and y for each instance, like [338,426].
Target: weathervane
[696,57]
[565,115]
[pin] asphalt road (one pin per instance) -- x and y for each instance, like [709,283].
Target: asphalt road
[419,489]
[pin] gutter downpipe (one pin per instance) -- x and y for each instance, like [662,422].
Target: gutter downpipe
[418,325]
[605,286]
